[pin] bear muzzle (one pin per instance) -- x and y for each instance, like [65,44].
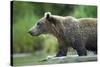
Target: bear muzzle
[31,33]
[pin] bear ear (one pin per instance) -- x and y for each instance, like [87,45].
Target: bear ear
[48,15]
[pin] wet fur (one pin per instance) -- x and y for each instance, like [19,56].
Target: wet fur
[80,34]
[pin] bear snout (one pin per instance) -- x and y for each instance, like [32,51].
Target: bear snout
[34,33]
[30,32]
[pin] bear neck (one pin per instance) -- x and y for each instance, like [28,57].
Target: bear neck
[57,30]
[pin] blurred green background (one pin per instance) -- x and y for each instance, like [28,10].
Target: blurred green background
[26,14]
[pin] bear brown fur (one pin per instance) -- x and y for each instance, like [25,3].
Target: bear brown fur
[80,34]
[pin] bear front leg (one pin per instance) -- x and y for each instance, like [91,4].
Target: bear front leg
[62,51]
[81,51]
[79,46]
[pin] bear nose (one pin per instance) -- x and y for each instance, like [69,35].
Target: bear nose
[30,32]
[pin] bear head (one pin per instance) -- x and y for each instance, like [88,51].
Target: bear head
[45,25]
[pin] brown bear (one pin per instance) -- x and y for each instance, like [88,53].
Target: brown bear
[80,34]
